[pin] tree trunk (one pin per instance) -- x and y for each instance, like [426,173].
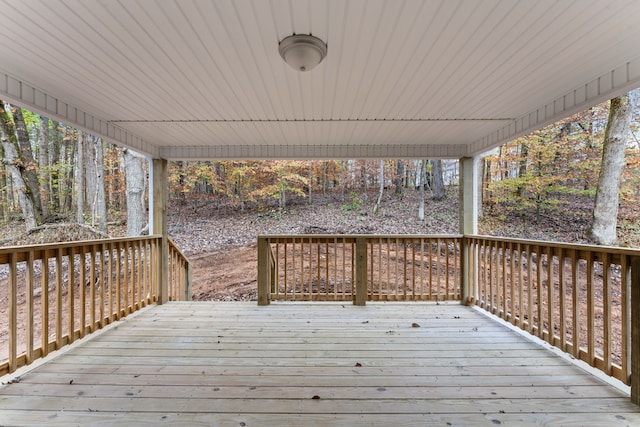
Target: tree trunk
[310,182]
[54,168]
[438,181]
[25,156]
[4,194]
[134,174]
[376,208]
[399,177]
[522,168]
[66,165]
[44,166]
[99,206]
[80,179]
[605,213]
[15,168]
[423,178]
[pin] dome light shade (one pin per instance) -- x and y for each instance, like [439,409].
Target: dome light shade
[302,52]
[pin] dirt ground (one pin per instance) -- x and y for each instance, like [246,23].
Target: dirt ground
[226,275]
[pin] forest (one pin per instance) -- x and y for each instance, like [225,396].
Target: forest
[51,173]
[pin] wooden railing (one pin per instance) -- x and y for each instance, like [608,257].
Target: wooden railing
[57,293]
[179,275]
[576,297]
[359,268]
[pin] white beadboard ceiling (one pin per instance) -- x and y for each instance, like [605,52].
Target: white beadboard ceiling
[202,79]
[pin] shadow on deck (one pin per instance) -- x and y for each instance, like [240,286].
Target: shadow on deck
[236,364]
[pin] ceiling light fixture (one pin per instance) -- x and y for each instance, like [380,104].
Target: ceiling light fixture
[302,52]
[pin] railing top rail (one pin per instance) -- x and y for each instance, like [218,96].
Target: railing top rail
[174,247]
[577,246]
[74,244]
[357,236]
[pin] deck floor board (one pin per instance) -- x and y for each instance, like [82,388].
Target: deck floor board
[308,364]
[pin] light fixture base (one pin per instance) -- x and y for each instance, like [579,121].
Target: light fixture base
[302,52]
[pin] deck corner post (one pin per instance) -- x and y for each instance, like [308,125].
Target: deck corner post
[158,224]
[264,275]
[188,273]
[635,330]
[360,296]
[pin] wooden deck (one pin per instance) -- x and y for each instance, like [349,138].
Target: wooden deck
[310,364]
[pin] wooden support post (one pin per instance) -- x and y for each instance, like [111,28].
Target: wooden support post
[263,271]
[468,215]
[360,297]
[159,225]
[188,275]
[635,330]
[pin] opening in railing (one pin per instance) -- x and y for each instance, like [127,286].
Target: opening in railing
[387,268]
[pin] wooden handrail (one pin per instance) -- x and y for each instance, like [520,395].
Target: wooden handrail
[508,277]
[179,274]
[359,267]
[76,288]
[541,287]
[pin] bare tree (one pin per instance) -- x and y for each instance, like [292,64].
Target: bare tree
[30,172]
[423,178]
[44,165]
[79,178]
[99,208]
[15,167]
[605,213]
[134,173]
[376,208]
[399,177]
[438,181]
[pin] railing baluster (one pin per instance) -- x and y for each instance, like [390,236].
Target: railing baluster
[625,306]
[92,289]
[512,283]
[540,297]
[326,268]
[562,300]
[404,271]
[590,310]
[58,313]
[575,301]
[521,311]
[118,283]
[503,264]
[44,300]
[13,312]
[100,259]
[446,269]
[30,282]
[370,269]
[550,296]
[422,292]
[413,270]
[606,311]
[82,283]
[71,262]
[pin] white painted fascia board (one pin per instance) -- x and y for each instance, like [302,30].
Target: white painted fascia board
[23,94]
[602,88]
[313,152]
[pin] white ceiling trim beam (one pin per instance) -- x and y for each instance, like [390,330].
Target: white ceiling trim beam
[609,85]
[16,91]
[314,152]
